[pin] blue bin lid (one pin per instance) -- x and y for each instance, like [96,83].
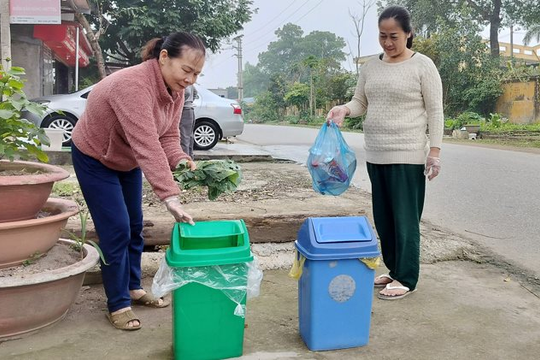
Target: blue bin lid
[333,238]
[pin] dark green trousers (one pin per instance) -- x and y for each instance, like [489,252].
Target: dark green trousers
[398,192]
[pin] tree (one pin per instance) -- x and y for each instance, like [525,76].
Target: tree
[298,95]
[133,23]
[470,76]
[94,33]
[532,32]
[311,62]
[255,81]
[359,21]
[283,53]
[495,13]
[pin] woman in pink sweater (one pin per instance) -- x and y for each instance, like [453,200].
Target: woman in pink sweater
[131,126]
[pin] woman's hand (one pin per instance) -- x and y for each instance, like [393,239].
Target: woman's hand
[175,208]
[433,163]
[192,165]
[337,115]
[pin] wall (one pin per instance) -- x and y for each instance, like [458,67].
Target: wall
[26,52]
[520,101]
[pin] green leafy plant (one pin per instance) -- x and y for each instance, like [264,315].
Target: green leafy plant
[496,120]
[18,136]
[32,259]
[468,118]
[81,240]
[450,124]
[220,176]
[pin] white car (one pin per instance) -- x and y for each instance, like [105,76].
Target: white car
[215,117]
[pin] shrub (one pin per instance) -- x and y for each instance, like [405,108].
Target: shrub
[18,136]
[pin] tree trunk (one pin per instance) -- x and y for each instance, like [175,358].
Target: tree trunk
[311,91]
[93,39]
[495,24]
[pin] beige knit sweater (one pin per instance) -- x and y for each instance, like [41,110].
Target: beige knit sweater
[400,101]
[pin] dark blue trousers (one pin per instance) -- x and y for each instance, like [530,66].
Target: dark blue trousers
[114,199]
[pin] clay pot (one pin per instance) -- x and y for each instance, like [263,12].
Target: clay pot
[31,302]
[23,196]
[19,240]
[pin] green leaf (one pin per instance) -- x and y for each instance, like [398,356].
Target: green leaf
[35,108]
[41,156]
[15,70]
[16,84]
[6,114]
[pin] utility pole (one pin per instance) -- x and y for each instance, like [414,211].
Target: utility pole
[240,85]
[5,34]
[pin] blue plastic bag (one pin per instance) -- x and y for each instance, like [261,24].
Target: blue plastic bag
[331,161]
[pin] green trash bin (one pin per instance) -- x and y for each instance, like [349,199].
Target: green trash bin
[204,322]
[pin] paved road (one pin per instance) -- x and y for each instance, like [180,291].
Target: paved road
[489,195]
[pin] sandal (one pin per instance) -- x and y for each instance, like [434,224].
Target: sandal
[395,297]
[150,301]
[382,285]
[121,320]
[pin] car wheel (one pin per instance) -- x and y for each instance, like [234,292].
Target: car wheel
[64,122]
[206,135]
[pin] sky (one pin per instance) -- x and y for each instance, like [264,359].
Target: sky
[220,70]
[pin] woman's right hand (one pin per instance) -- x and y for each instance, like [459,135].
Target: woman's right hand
[337,114]
[175,208]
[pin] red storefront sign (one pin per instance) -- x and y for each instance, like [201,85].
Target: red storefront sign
[61,39]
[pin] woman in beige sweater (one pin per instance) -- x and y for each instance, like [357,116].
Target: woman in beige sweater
[400,92]
[131,126]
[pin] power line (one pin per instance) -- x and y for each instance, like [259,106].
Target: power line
[274,18]
[265,41]
[288,17]
[313,8]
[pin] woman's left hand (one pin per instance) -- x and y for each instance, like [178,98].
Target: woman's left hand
[433,167]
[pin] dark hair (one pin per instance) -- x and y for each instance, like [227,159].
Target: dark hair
[402,16]
[174,44]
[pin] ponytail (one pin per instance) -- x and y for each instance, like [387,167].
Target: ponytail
[174,44]
[152,48]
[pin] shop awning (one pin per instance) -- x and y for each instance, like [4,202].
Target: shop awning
[61,39]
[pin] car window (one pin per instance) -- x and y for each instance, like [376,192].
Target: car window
[85,95]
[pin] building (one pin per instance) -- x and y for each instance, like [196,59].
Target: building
[530,55]
[44,38]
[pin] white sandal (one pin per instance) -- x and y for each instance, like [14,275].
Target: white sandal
[383,285]
[395,297]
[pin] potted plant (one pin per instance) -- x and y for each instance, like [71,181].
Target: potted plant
[24,186]
[27,239]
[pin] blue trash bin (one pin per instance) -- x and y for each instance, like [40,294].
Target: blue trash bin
[335,291]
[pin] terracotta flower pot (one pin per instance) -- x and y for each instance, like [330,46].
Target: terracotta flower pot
[31,302]
[19,240]
[24,195]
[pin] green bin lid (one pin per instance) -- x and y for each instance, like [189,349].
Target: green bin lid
[209,243]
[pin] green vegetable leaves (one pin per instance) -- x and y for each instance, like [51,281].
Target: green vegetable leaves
[220,176]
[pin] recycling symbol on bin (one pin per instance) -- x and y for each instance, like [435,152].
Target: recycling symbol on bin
[342,288]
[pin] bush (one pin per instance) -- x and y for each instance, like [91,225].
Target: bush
[18,136]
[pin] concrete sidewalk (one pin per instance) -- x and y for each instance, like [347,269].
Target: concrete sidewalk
[469,304]
[462,310]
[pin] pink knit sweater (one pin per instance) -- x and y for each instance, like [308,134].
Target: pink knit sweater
[132,121]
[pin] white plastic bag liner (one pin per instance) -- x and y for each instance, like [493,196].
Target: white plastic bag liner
[231,279]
